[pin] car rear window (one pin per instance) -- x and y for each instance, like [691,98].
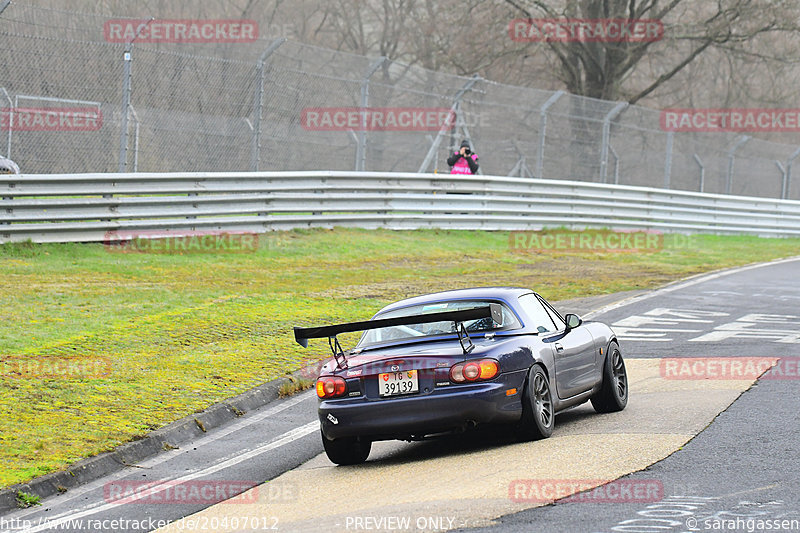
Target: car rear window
[433,329]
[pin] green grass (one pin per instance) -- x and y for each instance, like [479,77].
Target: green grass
[181,332]
[25,500]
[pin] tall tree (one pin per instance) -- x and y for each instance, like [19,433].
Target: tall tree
[605,69]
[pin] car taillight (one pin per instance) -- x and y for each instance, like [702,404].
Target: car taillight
[331,387]
[471,371]
[477,370]
[489,369]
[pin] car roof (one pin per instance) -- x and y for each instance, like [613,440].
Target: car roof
[478,293]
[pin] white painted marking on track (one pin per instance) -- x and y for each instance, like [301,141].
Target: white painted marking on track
[747,327]
[688,282]
[649,334]
[663,319]
[744,330]
[771,319]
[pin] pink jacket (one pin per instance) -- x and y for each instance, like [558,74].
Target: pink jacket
[461,166]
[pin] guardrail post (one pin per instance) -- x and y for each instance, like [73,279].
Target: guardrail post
[10,119]
[258,105]
[543,131]
[361,149]
[453,109]
[668,160]
[619,108]
[731,156]
[702,171]
[787,179]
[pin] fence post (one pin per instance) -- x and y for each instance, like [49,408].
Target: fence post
[258,104]
[361,149]
[619,108]
[731,156]
[787,179]
[127,56]
[521,166]
[10,119]
[135,138]
[543,131]
[702,171]
[782,170]
[453,109]
[3,5]
[616,164]
[668,161]
[126,101]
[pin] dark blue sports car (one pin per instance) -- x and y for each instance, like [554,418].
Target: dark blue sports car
[450,361]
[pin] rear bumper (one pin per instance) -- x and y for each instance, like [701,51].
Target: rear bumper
[445,409]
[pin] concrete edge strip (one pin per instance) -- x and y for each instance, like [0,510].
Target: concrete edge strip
[187,428]
[153,443]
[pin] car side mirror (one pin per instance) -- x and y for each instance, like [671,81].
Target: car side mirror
[572,320]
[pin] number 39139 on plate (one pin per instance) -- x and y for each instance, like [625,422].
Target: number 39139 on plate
[394,383]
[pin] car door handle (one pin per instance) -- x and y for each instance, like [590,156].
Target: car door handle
[559,348]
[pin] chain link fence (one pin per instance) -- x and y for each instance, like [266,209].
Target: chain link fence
[161,107]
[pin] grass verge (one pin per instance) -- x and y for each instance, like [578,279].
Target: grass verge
[97,348]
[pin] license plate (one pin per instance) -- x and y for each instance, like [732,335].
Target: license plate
[394,383]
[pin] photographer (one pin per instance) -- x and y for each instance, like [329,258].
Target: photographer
[463,161]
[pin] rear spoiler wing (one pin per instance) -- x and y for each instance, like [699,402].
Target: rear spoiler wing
[494,311]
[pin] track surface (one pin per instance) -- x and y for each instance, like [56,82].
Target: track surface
[746,466]
[748,455]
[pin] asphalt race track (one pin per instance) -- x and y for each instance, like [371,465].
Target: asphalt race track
[730,471]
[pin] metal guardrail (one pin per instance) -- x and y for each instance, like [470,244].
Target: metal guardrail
[91,207]
[243,106]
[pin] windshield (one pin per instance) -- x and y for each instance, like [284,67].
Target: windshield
[393,333]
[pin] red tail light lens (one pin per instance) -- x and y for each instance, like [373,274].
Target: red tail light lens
[471,371]
[331,387]
[478,370]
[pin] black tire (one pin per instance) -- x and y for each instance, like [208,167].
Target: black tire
[613,393]
[348,450]
[538,415]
